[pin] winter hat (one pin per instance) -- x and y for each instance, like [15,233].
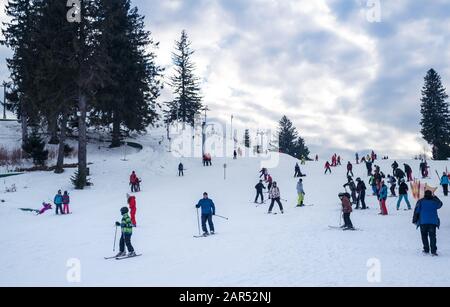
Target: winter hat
[124,210]
[428,194]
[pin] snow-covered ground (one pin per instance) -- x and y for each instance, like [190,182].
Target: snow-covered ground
[251,249]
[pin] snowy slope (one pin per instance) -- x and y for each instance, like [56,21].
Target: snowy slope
[251,249]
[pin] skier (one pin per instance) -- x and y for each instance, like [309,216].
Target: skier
[327,167]
[274,195]
[393,184]
[235,155]
[297,172]
[317,158]
[263,172]
[394,167]
[127,231]
[339,160]
[66,202]
[352,186]
[259,191]
[426,217]
[424,169]
[399,174]
[301,193]
[357,158]
[303,160]
[361,190]
[408,171]
[383,194]
[346,211]
[269,181]
[131,200]
[58,201]
[403,194]
[349,169]
[45,207]
[373,184]
[369,167]
[444,183]
[208,210]
[333,160]
[134,182]
[180,170]
[373,156]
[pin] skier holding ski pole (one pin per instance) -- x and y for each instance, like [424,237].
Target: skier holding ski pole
[208,211]
[127,231]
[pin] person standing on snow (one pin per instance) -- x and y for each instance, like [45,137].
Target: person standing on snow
[301,193]
[444,183]
[383,195]
[408,171]
[357,158]
[180,170]
[352,187]
[66,202]
[131,200]
[58,201]
[346,211]
[369,167]
[235,155]
[134,182]
[426,217]
[349,169]
[269,181]
[327,167]
[403,194]
[339,160]
[399,174]
[275,196]
[127,231]
[393,184]
[297,172]
[361,190]
[208,211]
[259,191]
[394,167]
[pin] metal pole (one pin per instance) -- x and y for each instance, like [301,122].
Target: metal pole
[4,100]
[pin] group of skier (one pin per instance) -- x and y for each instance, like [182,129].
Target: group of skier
[273,190]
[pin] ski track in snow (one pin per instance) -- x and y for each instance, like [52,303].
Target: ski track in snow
[251,249]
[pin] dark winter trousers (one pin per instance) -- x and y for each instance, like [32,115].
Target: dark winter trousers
[273,203]
[445,187]
[362,199]
[180,173]
[125,239]
[429,231]
[328,170]
[59,208]
[259,193]
[297,173]
[350,172]
[369,172]
[135,187]
[347,221]
[207,218]
[354,198]
[393,189]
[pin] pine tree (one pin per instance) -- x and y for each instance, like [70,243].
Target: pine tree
[247,142]
[128,98]
[289,142]
[435,120]
[186,89]
[301,150]
[34,146]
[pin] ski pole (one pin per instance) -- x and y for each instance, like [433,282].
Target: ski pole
[115,239]
[198,222]
[222,217]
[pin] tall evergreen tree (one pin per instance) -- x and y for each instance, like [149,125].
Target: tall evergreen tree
[247,142]
[435,120]
[186,89]
[128,98]
[289,142]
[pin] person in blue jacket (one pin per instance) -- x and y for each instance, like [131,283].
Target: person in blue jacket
[58,201]
[426,217]
[444,183]
[208,210]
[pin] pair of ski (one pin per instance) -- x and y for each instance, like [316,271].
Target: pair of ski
[340,228]
[312,205]
[203,236]
[123,257]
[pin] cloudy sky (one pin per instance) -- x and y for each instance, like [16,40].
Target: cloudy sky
[348,77]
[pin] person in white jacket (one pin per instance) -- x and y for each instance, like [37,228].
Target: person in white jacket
[301,193]
[274,194]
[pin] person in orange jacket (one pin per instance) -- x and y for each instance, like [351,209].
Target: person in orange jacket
[132,204]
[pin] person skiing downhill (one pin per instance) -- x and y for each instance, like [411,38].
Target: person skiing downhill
[131,200]
[426,217]
[403,194]
[127,231]
[350,169]
[361,190]
[58,201]
[393,184]
[327,167]
[383,194]
[66,202]
[351,184]
[444,183]
[259,191]
[346,211]
[301,193]
[180,170]
[274,195]
[208,211]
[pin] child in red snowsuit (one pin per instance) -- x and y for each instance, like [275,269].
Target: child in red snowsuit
[132,205]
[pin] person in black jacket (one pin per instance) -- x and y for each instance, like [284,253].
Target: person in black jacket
[394,167]
[408,171]
[259,191]
[369,167]
[361,190]
[352,187]
[399,174]
[180,170]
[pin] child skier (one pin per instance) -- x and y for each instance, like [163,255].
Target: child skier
[131,200]
[274,194]
[66,202]
[259,191]
[127,231]
[346,211]
[45,207]
[301,193]
[58,201]
[208,210]
[327,167]
[444,183]
[383,194]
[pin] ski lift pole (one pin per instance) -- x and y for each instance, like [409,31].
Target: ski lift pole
[225,171]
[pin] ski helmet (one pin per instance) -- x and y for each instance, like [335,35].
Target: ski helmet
[124,210]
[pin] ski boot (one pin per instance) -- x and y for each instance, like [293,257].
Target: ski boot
[205,234]
[212,233]
[282,212]
[132,254]
[121,254]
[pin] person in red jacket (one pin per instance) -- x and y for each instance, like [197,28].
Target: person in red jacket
[327,167]
[132,204]
[134,182]
[269,181]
